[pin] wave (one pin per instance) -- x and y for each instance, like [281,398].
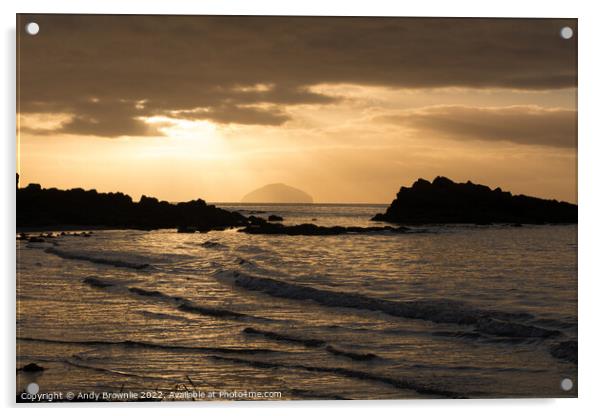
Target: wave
[151,345]
[94,282]
[468,368]
[566,350]
[352,355]
[213,245]
[163,316]
[403,384]
[457,334]
[95,259]
[311,343]
[180,303]
[307,342]
[185,305]
[446,311]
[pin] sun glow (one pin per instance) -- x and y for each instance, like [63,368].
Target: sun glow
[186,139]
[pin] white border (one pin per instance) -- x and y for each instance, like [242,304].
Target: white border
[590,137]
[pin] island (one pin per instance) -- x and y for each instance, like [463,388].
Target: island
[444,201]
[278,193]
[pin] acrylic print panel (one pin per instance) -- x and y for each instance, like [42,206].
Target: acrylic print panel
[291,208]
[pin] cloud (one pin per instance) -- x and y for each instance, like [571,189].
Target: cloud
[531,125]
[248,69]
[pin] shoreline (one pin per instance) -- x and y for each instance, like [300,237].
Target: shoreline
[59,228]
[72,228]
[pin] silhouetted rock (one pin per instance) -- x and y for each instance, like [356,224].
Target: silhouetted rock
[32,368]
[36,240]
[253,220]
[278,193]
[275,218]
[312,229]
[94,282]
[566,350]
[444,201]
[37,207]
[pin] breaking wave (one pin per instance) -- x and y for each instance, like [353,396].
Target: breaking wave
[179,302]
[151,345]
[311,343]
[403,384]
[306,342]
[446,311]
[69,255]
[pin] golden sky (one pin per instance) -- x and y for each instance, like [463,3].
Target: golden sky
[346,109]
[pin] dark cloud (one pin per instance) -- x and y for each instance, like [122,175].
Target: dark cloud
[518,124]
[186,63]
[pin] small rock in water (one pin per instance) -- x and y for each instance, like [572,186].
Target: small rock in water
[32,368]
[35,240]
[566,350]
[275,218]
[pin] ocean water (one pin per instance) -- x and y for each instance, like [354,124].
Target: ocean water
[442,311]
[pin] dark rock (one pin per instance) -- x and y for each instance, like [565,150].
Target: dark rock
[36,240]
[312,229]
[212,244]
[353,355]
[566,350]
[444,201]
[253,220]
[94,282]
[37,207]
[275,218]
[32,368]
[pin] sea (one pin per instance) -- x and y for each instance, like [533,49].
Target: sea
[442,311]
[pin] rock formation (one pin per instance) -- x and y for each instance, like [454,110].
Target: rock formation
[37,207]
[444,201]
[261,226]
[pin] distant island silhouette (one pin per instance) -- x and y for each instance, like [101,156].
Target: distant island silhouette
[444,201]
[278,193]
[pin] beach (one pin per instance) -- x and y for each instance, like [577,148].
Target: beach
[438,311]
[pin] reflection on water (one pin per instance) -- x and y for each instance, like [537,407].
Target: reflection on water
[316,317]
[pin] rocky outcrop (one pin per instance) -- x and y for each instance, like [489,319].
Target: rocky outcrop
[274,217]
[566,350]
[31,368]
[37,207]
[312,229]
[444,201]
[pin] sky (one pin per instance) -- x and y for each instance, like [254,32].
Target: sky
[346,109]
